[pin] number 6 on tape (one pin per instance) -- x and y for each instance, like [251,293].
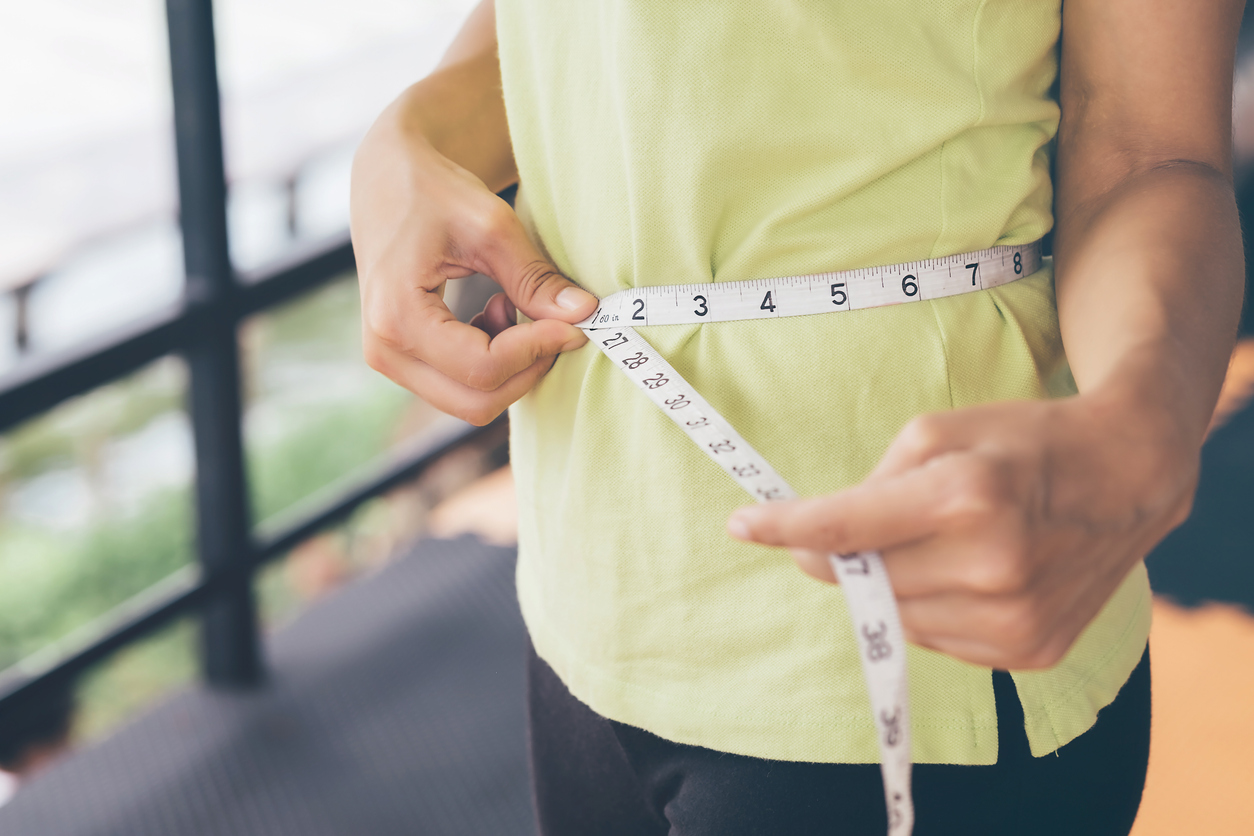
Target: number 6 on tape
[872,607]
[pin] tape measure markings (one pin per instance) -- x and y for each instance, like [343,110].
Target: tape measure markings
[872,606]
[868,592]
[814,294]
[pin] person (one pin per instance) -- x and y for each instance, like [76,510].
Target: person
[1013,453]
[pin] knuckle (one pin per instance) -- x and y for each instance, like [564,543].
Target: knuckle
[980,480]
[491,219]
[1183,510]
[493,371]
[979,489]
[375,356]
[1025,637]
[479,414]
[485,376]
[923,434]
[1002,571]
[382,322]
[1015,627]
[1045,656]
[834,530]
[813,563]
[532,277]
[1037,653]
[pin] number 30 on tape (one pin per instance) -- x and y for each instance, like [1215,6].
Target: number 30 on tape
[872,607]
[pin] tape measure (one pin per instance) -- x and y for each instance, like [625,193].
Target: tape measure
[872,606]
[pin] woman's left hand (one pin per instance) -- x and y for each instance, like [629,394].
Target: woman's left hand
[1004,527]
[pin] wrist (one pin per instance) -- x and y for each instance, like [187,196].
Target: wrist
[1141,431]
[1116,460]
[457,114]
[1147,396]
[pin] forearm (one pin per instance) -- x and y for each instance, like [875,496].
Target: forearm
[458,110]
[1149,262]
[1150,276]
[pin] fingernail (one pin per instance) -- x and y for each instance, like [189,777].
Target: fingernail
[738,527]
[572,299]
[511,313]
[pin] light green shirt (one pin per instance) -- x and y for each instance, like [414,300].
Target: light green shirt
[666,142]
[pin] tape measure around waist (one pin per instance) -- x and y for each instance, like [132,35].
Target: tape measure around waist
[872,606]
[822,293]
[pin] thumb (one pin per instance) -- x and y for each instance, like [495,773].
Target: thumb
[532,283]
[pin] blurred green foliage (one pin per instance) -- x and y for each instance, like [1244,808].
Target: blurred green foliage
[52,582]
[327,445]
[321,414]
[74,432]
[135,676]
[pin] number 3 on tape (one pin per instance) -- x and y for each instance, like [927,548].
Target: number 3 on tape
[872,607]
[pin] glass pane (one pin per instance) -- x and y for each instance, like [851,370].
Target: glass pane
[94,507]
[134,678]
[315,415]
[301,82]
[107,283]
[87,190]
[379,531]
[322,564]
[314,411]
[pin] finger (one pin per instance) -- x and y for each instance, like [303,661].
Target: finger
[499,313]
[984,564]
[924,438]
[816,564]
[454,398]
[953,621]
[531,282]
[988,559]
[930,566]
[872,516]
[997,631]
[472,355]
[973,652]
[414,319]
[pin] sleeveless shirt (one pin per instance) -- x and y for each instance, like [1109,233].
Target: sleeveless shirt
[664,142]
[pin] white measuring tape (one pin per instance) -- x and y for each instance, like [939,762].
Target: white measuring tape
[869,594]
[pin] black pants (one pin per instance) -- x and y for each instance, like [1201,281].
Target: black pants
[596,777]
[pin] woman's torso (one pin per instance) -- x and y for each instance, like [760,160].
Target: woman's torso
[663,142]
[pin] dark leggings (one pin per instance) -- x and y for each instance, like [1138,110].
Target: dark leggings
[596,777]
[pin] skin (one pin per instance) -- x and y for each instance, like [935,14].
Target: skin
[423,210]
[1004,527]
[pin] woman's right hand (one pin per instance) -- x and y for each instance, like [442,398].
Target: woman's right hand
[419,219]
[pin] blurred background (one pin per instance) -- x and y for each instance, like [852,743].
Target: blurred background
[343,476]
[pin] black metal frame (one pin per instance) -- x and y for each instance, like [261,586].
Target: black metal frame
[203,329]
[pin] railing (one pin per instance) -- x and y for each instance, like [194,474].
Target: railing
[202,328]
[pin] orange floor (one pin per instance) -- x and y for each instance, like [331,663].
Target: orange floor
[1201,777]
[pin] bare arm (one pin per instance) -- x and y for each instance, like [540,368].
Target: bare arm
[1148,246]
[424,211]
[1006,527]
[459,109]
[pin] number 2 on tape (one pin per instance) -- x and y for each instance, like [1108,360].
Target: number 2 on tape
[867,590]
